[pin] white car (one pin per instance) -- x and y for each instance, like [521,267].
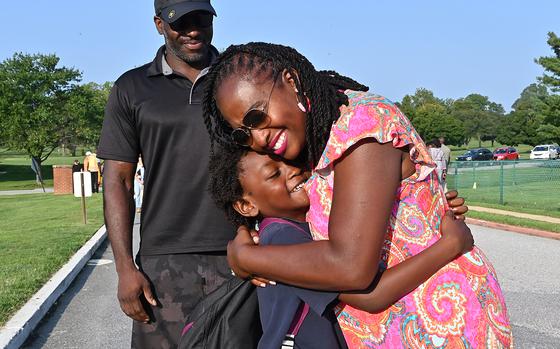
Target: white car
[545,151]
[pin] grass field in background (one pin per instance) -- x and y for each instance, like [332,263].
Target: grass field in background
[38,234]
[532,185]
[535,211]
[520,222]
[16,172]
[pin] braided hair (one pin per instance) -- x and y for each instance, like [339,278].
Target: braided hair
[324,89]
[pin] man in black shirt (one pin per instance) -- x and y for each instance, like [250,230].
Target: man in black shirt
[155,110]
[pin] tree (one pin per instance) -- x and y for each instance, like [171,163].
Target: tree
[421,96]
[431,116]
[529,112]
[551,64]
[33,97]
[549,130]
[434,121]
[84,115]
[479,115]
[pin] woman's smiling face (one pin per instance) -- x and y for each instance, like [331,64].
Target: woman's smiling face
[282,130]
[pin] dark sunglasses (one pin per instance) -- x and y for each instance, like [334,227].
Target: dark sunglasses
[197,19]
[254,118]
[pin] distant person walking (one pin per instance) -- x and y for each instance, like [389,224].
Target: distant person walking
[445,149]
[439,158]
[139,185]
[92,165]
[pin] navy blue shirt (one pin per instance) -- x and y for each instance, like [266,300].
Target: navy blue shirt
[284,308]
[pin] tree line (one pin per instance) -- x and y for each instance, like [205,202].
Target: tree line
[534,118]
[44,106]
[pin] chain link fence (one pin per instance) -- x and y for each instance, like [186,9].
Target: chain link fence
[522,183]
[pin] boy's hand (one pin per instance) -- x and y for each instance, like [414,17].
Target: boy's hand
[456,204]
[457,234]
[244,239]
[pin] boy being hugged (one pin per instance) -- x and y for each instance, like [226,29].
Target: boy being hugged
[258,190]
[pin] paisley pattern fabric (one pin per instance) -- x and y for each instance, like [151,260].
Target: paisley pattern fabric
[462,305]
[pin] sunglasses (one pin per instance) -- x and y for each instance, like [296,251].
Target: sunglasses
[254,119]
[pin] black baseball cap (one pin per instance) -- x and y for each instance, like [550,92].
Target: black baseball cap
[171,10]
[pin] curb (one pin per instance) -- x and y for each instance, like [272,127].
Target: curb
[20,326]
[515,229]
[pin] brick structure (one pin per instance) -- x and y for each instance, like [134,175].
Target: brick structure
[62,178]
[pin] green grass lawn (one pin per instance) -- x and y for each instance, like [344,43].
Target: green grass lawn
[535,211]
[16,173]
[520,222]
[536,189]
[38,234]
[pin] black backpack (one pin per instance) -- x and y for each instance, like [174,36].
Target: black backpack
[226,318]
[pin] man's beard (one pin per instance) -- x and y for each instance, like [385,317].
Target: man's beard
[189,58]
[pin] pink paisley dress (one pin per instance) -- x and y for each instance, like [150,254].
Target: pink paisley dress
[462,305]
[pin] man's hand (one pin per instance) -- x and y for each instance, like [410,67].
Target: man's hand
[132,286]
[456,204]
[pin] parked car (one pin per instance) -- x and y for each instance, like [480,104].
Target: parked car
[506,153]
[477,154]
[544,151]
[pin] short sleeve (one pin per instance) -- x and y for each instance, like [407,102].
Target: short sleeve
[372,116]
[119,138]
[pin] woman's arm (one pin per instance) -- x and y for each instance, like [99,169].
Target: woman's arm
[366,181]
[403,278]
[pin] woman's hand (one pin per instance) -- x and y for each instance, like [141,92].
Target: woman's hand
[457,234]
[456,204]
[244,240]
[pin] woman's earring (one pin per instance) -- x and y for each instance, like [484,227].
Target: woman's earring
[300,105]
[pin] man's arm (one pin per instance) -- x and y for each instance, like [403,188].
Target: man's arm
[118,208]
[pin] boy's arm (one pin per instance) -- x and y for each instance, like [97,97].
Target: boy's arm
[396,282]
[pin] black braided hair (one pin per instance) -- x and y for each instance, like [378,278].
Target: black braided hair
[325,90]
[224,185]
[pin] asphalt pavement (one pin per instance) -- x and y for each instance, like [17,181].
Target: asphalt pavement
[527,268]
[88,314]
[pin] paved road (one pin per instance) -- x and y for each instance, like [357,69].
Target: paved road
[88,314]
[528,271]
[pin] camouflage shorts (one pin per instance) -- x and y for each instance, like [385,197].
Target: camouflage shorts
[179,282]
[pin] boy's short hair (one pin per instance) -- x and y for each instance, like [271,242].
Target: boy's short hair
[225,187]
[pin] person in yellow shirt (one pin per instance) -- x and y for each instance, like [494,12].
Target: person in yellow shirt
[91,165]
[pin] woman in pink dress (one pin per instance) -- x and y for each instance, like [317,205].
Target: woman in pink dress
[375,200]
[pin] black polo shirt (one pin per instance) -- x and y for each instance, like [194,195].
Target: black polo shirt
[156,112]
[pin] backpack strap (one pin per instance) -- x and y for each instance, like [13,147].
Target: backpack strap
[303,309]
[301,313]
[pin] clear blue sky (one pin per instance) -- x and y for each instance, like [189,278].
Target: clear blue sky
[453,47]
